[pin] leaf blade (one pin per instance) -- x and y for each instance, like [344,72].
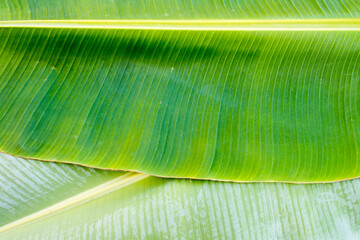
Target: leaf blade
[258,114]
[234,105]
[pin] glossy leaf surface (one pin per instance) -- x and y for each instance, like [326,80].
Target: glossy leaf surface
[259,105]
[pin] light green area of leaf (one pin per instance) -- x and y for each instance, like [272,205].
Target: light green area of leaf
[226,105]
[156,208]
[27,187]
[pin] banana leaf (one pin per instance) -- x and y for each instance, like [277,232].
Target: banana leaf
[247,91]
[236,91]
[156,208]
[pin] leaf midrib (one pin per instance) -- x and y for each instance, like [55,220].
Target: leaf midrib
[95,192]
[347,24]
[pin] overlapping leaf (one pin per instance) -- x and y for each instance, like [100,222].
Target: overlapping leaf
[173,209]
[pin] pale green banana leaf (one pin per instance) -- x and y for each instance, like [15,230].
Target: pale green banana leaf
[155,208]
[239,100]
[27,186]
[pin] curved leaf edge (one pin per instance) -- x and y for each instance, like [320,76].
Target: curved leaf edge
[176,177]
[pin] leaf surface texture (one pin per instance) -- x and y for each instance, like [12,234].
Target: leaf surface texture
[224,105]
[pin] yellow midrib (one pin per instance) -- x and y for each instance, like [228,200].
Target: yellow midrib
[88,195]
[346,24]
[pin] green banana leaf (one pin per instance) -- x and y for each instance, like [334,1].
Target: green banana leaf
[230,90]
[155,208]
[235,90]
